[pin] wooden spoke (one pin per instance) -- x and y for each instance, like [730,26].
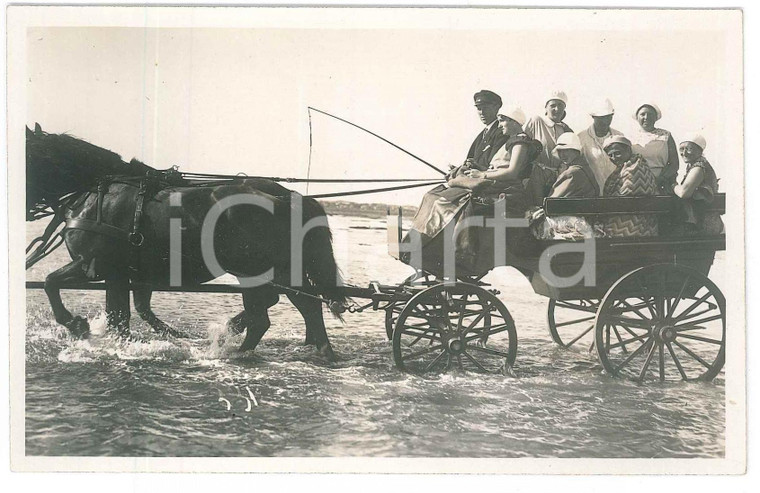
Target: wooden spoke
[644,368]
[635,309]
[571,322]
[475,362]
[692,307]
[676,361]
[662,362]
[433,363]
[620,339]
[678,298]
[422,352]
[489,351]
[589,329]
[631,356]
[700,321]
[630,322]
[627,341]
[692,354]
[703,339]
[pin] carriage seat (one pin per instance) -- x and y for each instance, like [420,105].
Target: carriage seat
[601,209]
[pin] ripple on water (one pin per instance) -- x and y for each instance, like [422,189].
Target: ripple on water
[199,396]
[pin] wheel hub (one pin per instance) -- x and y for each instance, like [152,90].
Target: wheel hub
[456,346]
[665,333]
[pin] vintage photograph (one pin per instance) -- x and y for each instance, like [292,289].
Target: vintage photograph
[505,238]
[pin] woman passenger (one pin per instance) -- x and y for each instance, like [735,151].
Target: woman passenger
[632,177]
[547,129]
[698,188]
[656,146]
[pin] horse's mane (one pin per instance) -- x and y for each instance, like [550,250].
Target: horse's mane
[60,164]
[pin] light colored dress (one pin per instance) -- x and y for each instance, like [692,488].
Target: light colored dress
[652,146]
[593,152]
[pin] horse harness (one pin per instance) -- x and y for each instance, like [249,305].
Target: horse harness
[147,186]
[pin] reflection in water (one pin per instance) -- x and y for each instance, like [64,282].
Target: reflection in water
[171,397]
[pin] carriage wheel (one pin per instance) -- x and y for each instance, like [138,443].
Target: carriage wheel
[391,315]
[571,322]
[392,311]
[666,320]
[455,326]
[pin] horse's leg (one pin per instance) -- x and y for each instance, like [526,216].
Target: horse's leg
[142,298]
[238,323]
[75,271]
[117,306]
[256,319]
[311,310]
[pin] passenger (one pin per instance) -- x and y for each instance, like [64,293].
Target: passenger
[491,138]
[546,129]
[509,167]
[577,179]
[592,140]
[632,177]
[698,188]
[656,146]
[471,193]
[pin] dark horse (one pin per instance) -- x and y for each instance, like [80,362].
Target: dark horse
[124,222]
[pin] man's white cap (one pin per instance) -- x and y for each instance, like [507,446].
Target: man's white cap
[568,140]
[557,95]
[697,139]
[603,108]
[515,113]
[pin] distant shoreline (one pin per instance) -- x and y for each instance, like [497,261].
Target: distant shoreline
[368,210]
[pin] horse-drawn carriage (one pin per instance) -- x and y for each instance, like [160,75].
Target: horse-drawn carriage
[647,306]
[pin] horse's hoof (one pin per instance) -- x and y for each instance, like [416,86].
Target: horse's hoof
[327,352]
[175,333]
[79,327]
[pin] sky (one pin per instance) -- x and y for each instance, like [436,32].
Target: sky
[230,100]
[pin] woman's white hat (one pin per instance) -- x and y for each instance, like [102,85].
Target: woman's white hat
[697,139]
[557,95]
[603,108]
[515,113]
[651,105]
[568,140]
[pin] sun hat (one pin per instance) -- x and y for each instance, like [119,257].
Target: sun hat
[568,140]
[616,139]
[515,113]
[651,105]
[560,95]
[696,139]
[603,108]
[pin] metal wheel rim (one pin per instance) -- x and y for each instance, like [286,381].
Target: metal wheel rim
[669,334]
[475,332]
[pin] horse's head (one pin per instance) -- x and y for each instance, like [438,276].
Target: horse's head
[59,164]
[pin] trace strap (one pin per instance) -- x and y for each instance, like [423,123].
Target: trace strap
[372,190]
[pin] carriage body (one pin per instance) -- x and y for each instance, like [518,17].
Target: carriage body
[645,303]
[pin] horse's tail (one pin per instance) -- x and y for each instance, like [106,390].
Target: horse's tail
[320,267]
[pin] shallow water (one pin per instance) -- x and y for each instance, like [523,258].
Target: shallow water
[198,397]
